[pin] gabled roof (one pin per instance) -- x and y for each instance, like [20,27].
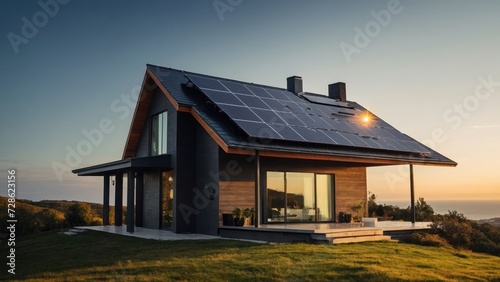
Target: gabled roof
[245,117]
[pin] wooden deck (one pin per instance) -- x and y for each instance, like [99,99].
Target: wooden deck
[331,233]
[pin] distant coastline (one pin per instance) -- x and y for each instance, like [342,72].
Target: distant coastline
[472,209]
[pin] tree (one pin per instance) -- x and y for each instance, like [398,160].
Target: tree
[423,211]
[80,214]
[372,205]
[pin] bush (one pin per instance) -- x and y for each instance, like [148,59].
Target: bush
[426,239]
[80,214]
[481,243]
[492,232]
[423,211]
[455,228]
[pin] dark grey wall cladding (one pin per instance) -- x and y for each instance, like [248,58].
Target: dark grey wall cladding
[207,184]
[183,151]
[237,167]
[158,104]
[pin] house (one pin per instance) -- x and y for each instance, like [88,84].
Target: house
[200,146]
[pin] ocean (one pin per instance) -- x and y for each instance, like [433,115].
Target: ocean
[472,209]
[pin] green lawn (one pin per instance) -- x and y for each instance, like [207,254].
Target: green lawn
[100,256]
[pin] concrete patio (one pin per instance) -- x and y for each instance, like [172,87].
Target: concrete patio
[146,233]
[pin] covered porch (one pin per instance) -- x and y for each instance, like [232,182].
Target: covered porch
[134,169]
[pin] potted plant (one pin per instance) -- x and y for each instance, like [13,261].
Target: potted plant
[238,217]
[250,215]
[359,208]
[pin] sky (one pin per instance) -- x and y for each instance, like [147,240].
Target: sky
[429,68]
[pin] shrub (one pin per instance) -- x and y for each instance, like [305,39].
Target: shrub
[80,214]
[455,228]
[426,239]
[492,232]
[481,243]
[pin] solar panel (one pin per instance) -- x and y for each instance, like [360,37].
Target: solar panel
[290,119]
[207,83]
[236,87]
[258,129]
[223,97]
[275,105]
[354,139]
[265,112]
[312,135]
[315,122]
[242,113]
[372,143]
[287,132]
[294,107]
[338,138]
[259,91]
[268,116]
[252,101]
[278,94]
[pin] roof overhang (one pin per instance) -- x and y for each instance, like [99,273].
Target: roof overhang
[161,162]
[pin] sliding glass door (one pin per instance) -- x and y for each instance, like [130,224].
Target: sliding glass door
[299,197]
[325,196]
[276,208]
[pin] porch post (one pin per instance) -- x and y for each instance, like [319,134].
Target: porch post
[130,200]
[257,217]
[139,199]
[118,198]
[105,202]
[412,194]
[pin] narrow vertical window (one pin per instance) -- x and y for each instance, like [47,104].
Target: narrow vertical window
[159,134]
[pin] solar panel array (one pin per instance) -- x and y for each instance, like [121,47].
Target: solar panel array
[271,113]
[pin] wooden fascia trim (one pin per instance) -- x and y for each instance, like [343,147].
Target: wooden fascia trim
[209,130]
[144,88]
[368,161]
[166,93]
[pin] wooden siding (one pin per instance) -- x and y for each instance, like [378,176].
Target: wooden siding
[236,184]
[236,194]
[350,189]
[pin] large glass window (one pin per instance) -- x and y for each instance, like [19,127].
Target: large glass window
[300,197]
[325,196]
[276,196]
[159,134]
[167,197]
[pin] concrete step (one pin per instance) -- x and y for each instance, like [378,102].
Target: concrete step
[361,239]
[354,233]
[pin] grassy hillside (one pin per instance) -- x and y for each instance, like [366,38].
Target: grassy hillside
[62,205]
[48,214]
[31,207]
[100,256]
